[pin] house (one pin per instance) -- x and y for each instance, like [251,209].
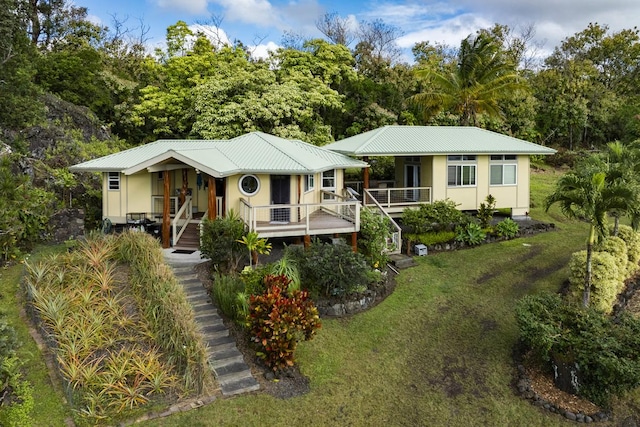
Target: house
[463,164]
[278,187]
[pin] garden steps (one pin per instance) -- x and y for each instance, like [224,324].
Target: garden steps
[401,261]
[233,374]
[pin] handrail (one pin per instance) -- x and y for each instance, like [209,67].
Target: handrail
[396,236]
[348,210]
[186,207]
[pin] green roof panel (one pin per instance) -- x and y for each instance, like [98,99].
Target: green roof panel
[423,140]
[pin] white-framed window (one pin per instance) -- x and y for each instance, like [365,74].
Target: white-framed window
[329,183]
[462,170]
[503,170]
[113,180]
[309,182]
[249,185]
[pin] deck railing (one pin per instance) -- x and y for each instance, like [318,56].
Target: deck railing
[397,197]
[302,219]
[394,246]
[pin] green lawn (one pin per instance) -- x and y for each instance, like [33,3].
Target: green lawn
[50,407]
[437,352]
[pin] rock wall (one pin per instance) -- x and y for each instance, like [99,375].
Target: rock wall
[67,224]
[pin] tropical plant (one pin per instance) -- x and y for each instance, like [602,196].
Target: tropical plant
[331,270]
[471,234]
[485,211]
[482,76]
[280,318]
[507,228]
[221,242]
[256,245]
[585,193]
[375,232]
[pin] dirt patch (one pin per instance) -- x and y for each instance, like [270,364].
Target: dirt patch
[534,252]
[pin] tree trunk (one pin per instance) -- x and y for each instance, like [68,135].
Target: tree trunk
[588,276]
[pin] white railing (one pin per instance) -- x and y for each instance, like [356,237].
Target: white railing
[158,205]
[296,219]
[395,245]
[187,211]
[397,197]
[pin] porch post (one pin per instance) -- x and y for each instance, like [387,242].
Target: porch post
[211,199]
[307,241]
[354,241]
[365,173]
[166,211]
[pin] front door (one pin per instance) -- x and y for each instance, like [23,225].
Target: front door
[412,179]
[280,195]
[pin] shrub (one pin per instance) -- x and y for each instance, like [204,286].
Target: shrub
[331,270]
[605,278]
[225,292]
[221,242]
[604,348]
[618,249]
[632,240]
[470,234]
[279,319]
[507,228]
[433,237]
[439,215]
[375,233]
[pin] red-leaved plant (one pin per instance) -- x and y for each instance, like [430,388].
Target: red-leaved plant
[280,318]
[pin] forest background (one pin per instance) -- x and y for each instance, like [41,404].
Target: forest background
[71,90]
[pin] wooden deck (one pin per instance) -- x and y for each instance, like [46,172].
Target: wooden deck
[320,222]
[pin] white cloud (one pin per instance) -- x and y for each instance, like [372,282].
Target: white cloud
[194,7]
[256,12]
[261,51]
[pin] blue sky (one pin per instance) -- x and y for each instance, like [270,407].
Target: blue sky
[261,23]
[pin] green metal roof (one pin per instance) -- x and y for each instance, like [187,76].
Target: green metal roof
[423,140]
[254,152]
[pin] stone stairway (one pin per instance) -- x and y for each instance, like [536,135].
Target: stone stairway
[232,373]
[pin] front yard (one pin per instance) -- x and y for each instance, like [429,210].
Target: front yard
[436,352]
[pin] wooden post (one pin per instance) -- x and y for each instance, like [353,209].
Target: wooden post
[166,212]
[365,174]
[211,203]
[354,241]
[307,241]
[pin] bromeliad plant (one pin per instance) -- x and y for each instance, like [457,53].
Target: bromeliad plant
[280,318]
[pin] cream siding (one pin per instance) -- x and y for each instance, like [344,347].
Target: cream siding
[134,196]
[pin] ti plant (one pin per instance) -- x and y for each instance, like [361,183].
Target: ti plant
[256,245]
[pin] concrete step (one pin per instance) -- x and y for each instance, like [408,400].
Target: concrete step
[211,336]
[402,261]
[238,383]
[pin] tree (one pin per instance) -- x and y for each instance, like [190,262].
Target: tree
[19,105]
[482,76]
[585,193]
[337,29]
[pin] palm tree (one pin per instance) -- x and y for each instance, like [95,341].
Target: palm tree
[483,76]
[587,194]
[623,164]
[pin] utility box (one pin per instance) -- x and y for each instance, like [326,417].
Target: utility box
[420,250]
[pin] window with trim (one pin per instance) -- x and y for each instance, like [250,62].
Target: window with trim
[113,180]
[249,185]
[329,183]
[309,182]
[503,169]
[461,170]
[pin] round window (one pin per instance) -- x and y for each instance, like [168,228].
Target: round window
[249,185]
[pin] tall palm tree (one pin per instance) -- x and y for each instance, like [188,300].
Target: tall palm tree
[481,78]
[585,193]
